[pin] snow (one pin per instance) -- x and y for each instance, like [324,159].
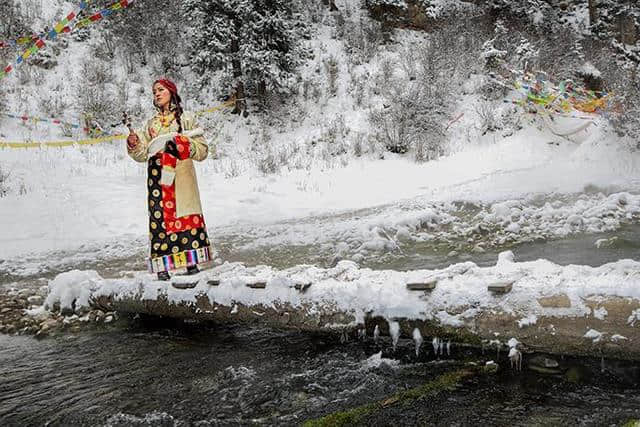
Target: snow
[376,360]
[527,321]
[72,289]
[590,70]
[593,335]
[634,317]
[617,337]
[100,199]
[600,313]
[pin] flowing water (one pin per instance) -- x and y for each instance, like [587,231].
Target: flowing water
[137,374]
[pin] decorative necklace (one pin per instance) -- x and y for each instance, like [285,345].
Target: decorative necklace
[166,119]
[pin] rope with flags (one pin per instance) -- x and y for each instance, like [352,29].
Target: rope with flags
[93,141]
[20,40]
[36,120]
[40,43]
[103,13]
[63,26]
[548,100]
[561,99]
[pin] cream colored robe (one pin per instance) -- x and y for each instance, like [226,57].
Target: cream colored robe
[186,184]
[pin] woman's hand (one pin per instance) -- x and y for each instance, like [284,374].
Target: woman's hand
[132,140]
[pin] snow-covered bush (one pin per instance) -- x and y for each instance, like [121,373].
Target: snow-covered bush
[268,158]
[622,81]
[4,181]
[418,95]
[486,113]
[332,69]
[411,121]
[362,39]
[95,97]
[53,103]
[3,100]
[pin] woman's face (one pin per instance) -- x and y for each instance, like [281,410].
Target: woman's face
[161,95]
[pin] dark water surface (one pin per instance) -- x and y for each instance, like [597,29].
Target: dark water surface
[141,375]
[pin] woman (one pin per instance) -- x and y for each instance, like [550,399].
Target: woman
[169,143]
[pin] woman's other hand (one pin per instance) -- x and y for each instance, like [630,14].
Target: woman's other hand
[132,140]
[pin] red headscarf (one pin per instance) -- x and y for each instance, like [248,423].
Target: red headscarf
[169,85]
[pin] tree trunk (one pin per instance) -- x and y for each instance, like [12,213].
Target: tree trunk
[593,14]
[548,333]
[237,72]
[262,93]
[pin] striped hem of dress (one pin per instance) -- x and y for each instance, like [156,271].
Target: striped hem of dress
[180,260]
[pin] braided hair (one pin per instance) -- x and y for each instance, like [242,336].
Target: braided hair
[175,100]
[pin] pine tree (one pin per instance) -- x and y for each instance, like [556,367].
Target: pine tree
[149,32]
[255,42]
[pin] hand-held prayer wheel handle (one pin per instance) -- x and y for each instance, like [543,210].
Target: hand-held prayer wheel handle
[126,120]
[132,139]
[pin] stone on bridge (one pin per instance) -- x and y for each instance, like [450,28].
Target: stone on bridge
[259,284]
[422,285]
[501,287]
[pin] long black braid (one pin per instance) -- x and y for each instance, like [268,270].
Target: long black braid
[175,100]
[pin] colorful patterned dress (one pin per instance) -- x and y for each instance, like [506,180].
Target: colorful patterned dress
[177,228]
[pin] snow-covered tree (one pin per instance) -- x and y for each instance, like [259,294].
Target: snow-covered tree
[12,24]
[257,43]
[526,54]
[149,32]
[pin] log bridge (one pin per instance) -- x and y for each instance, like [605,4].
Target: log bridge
[532,306]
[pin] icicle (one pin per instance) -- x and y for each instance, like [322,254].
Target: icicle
[441,348]
[362,334]
[515,357]
[376,334]
[436,345]
[602,364]
[394,331]
[344,337]
[417,338]
[449,348]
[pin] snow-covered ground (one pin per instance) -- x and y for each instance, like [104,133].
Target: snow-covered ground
[85,196]
[91,201]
